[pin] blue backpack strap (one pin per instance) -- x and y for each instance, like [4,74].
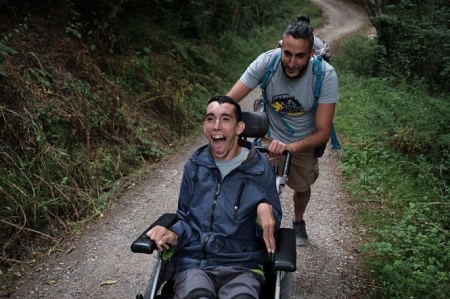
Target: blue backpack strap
[318,73]
[334,140]
[271,68]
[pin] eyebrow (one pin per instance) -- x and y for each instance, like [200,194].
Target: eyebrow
[295,54]
[223,114]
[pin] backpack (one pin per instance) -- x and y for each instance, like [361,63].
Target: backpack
[321,52]
[321,48]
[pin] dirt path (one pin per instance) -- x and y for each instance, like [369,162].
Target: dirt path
[101,264]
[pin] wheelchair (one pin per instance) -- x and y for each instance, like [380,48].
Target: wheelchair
[278,269]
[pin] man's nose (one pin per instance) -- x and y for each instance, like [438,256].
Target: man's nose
[292,62]
[217,124]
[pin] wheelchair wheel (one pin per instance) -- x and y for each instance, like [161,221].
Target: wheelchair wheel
[161,278]
[285,287]
[269,287]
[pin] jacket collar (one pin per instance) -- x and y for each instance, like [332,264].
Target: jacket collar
[253,163]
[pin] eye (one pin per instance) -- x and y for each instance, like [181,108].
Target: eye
[209,119]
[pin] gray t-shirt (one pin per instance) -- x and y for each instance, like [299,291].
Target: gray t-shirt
[292,98]
[227,166]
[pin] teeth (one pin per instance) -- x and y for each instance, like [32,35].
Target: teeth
[218,136]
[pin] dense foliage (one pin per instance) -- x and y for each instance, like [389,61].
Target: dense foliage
[396,161]
[413,40]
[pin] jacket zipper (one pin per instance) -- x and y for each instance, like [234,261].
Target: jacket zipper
[214,206]
[219,185]
[237,202]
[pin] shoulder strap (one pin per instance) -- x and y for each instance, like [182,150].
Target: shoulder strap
[334,140]
[271,67]
[318,74]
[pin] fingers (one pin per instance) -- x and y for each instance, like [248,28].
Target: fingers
[265,214]
[162,237]
[269,239]
[165,242]
[277,148]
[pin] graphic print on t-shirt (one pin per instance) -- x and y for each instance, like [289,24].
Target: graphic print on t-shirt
[287,105]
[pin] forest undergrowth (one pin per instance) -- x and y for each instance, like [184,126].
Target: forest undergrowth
[95,93]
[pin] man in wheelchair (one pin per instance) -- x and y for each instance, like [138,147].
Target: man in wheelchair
[228,213]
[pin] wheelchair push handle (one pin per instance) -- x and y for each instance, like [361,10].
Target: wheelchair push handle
[287,162]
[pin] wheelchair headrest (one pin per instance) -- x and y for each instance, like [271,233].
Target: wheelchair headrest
[256,124]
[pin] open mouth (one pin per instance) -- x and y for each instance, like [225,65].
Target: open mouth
[218,138]
[291,70]
[218,142]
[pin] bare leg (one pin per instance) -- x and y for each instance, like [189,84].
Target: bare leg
[301,200]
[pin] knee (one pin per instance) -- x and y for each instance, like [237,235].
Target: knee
[303,194]
[200,293]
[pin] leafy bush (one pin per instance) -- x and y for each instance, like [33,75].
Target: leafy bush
[396,162]
[412,257]
[71,134]
[358,55]
[412,37]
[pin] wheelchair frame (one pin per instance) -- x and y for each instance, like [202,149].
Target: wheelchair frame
[278,270]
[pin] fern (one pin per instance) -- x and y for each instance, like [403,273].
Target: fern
[5,51]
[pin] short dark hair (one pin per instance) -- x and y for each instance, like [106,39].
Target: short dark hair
[300,27]
[226,99]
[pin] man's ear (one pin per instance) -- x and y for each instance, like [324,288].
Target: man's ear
[240,128]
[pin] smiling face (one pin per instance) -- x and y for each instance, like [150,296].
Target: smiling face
[222,130]
[296,53]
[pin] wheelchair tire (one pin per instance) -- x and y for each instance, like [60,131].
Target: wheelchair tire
[285,288]
[148,290]
[166,273]
[268,290]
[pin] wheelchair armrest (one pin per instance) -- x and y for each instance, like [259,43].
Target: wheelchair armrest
[286,252]
[143,244]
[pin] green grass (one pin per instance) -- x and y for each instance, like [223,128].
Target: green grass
[395,161]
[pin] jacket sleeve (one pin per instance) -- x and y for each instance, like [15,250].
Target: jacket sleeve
[182,227]
[270,195]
